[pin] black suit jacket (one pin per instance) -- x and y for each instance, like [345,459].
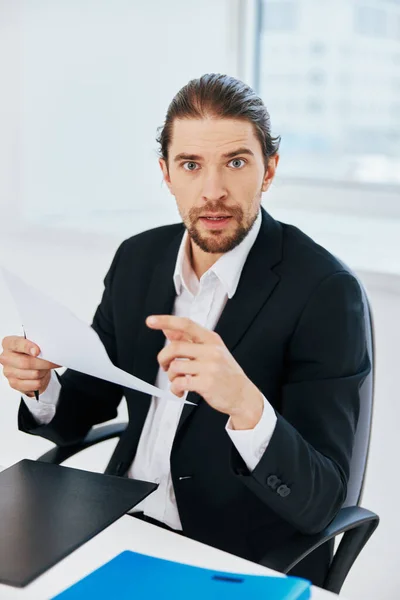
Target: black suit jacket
[296,327]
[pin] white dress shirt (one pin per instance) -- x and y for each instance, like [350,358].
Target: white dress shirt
[202,301]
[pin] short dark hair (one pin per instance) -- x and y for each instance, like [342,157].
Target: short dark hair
[221,96]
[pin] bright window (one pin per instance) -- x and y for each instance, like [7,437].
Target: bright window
[329,74]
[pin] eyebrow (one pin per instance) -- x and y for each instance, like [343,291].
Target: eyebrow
[238,151]
[195,157]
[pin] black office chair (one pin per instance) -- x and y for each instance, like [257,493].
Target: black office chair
[356,523]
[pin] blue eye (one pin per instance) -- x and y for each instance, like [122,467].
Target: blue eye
[237,163]
[190,166]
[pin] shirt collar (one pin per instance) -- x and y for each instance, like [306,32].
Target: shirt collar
[227,269]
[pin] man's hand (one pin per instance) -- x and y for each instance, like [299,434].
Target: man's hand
[208,369]
[24,372]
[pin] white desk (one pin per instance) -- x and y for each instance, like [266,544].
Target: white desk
[129,533]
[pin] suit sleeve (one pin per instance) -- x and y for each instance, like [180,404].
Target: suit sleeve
[84,400]
[304,470]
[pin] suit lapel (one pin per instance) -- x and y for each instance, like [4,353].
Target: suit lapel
[160,299]
[256,284]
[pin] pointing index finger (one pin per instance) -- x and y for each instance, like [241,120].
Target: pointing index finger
[192,330]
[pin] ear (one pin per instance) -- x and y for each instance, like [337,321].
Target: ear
[166,177]
[270,171]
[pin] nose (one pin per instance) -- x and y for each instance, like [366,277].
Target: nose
[214,187]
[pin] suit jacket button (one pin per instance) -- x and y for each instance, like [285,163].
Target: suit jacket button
[273,481]
[283,491]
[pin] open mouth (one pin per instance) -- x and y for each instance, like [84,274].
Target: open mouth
[216,218]
[215,222]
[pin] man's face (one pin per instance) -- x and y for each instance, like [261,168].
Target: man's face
[217,173]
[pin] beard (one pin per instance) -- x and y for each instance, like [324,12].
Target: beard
[218,242]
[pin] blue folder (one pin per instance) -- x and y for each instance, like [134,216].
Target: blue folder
[137,576]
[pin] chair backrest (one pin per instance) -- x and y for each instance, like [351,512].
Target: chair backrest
[359,459]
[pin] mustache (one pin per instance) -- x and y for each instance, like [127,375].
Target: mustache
[234,211]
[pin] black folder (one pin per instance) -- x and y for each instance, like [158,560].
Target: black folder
[47,511]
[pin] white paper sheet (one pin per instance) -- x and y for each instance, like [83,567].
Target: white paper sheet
[67,341]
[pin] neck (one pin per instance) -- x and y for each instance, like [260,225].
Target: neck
[201,261]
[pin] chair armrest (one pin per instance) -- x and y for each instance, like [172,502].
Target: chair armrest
[59,454]
[284,558]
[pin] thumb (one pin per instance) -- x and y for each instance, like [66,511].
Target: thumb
[175,336]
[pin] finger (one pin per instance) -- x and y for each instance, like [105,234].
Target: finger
[189,328]
[186,383]
[16,343]
[13,373]
[22,361]
[180,350]
[25,385]
[178,368]
[174,336]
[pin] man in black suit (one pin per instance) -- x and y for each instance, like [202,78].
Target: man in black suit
[260,326]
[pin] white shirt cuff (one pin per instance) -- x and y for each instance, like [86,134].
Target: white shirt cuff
[44,410]
[252,443]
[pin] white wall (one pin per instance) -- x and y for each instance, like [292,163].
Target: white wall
[86,85]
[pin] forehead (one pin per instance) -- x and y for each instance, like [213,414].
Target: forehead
[212,136]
